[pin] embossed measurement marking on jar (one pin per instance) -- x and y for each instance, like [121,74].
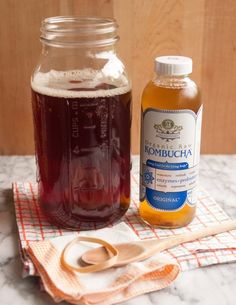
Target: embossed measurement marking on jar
[75,119]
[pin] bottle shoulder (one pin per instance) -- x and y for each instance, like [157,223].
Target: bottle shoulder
[99,70]
[184,94]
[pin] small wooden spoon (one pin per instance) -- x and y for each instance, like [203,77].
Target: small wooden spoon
[140,250]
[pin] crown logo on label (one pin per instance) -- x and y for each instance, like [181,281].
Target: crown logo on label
[167,130]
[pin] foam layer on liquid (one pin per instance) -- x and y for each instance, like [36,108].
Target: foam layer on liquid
[78,84]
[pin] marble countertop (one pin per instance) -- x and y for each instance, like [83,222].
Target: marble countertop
[206,286]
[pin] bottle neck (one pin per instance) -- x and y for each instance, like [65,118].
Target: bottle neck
[172,81]
[84,48]
[78,32]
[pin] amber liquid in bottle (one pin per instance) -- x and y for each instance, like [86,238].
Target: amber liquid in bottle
[168,93]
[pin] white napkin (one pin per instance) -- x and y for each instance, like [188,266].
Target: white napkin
[105,287]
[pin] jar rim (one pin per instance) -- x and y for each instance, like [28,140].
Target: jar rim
[76,28]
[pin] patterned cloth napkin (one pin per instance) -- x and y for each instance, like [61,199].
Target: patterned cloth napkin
[33,226]
[105,287]
[42,243]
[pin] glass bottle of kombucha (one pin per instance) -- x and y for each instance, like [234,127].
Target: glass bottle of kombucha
[170,144]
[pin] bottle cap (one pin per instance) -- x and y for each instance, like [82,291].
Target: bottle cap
[173,65]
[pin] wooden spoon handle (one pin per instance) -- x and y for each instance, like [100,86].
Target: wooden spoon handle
[171,242]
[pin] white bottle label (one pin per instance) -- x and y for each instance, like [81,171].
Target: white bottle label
[170,152]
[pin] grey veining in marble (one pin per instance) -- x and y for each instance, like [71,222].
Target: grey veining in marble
[207,286]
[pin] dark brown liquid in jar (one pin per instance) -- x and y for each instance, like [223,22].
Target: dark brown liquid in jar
[82,139]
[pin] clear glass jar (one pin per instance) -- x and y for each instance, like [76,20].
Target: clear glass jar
[81,98]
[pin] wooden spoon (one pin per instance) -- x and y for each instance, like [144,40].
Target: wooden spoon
[140,250]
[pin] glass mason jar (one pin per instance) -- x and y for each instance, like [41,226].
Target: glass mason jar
[81,99]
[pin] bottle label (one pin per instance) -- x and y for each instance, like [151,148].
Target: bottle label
[170,152]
